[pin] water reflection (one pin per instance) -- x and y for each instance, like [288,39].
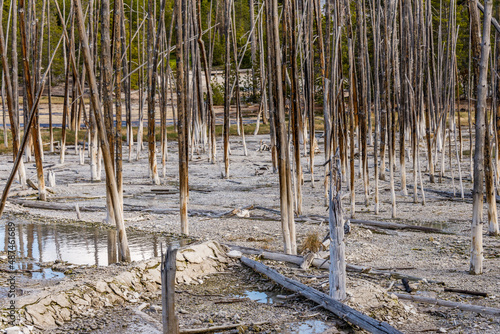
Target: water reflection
[78,245]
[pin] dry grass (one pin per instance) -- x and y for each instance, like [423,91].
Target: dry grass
[312,243]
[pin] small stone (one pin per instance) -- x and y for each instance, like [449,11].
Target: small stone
[13,330]
[442,330]
[234,254]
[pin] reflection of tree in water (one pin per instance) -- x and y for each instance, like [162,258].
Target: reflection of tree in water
[96,247]
[112,249]
[39,234]
[78,244]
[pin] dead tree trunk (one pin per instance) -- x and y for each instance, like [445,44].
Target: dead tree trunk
[227,85]
[108,162]
[286,196]
[42,194]
[476,263]
[337,276]
[152,62]
[182,118]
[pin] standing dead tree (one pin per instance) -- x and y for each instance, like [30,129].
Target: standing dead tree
[112,187]
[153,45]
[182,123]
[476,262]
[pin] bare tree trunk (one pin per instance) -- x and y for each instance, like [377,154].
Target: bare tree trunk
[476,263]
[295,105]
[227,95]
[117,19]
[152,62]
[337,275]
[286,199]
[42,194]
[182,118]
[108,162]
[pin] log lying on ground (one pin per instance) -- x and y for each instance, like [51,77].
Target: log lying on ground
[341,310]
[446,303]
[467,292]
[324,264]
[383,225]
[68,206]
[220,328]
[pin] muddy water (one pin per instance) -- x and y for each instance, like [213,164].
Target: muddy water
[79,245]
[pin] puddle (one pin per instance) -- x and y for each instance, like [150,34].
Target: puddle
[263,297]
[76,244]
[308,327]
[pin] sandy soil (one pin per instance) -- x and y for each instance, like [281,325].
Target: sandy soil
[436,257]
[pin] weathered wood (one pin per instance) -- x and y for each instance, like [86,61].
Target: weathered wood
[325,264]
[341,310]
[168,269]
[337,268]
[97,110]
[446,303]
[182,124]
[476,260]
[467,292]
[220,328]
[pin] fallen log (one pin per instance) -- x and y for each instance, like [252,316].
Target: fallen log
[220,328]
[467,292]
[54,206]
[324,264]
[387,225]
[446,303]
[339,309]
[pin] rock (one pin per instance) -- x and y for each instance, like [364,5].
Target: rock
[126,278]
[13,330]
[234,254]
[78,300]
[152,275]
[61,299]
[197,253]
[101,287]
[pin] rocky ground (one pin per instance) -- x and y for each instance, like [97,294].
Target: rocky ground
[228,296]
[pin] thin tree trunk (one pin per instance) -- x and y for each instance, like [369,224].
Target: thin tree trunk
[476,263]
[42,194]
[182,118]
[108,162]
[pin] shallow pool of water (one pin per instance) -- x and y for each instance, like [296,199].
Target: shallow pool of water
[263,297]
[76,244]
[309,327]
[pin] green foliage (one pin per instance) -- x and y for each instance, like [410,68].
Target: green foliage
[217,93]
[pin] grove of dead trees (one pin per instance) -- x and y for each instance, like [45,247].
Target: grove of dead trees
[390,88]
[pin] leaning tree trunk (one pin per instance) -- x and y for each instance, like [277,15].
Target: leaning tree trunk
[42,194]
[108,162]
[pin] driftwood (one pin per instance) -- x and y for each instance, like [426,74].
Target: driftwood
[467,292]
[378,224]
[324,264]
[396,226]
[446,303]
[220,328]
[54,206]
[339,309]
